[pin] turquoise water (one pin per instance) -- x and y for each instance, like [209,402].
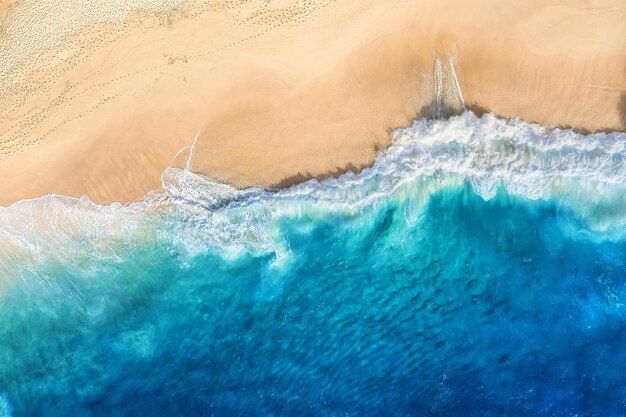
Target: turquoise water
[479,268]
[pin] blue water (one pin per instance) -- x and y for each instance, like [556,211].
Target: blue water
[399,291]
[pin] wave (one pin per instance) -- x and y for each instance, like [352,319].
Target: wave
[584,173]
[527,159]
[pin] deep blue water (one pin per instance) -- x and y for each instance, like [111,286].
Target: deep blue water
[438,303]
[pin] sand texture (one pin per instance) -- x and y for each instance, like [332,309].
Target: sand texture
[97,97]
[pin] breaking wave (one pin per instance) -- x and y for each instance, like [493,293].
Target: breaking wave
[586,173]
[477,268]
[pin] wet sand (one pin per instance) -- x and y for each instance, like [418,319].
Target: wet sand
[280,92]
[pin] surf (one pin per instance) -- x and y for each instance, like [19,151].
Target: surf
[436,269]
[581,172]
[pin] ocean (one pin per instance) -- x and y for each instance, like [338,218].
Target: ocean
[477,269]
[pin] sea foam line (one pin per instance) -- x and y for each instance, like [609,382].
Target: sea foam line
[584,172]
[527,159]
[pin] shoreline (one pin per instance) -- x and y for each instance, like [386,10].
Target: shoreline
[287,97]
[163,196]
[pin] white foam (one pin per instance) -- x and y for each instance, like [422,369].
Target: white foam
[527,159]
[586,173]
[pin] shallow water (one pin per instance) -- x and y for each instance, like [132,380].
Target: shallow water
[479,268]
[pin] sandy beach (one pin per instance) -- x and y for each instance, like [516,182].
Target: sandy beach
[98,104]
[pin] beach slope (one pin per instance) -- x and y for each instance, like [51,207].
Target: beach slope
[98,99]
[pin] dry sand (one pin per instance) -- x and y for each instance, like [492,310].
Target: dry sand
[279,91]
